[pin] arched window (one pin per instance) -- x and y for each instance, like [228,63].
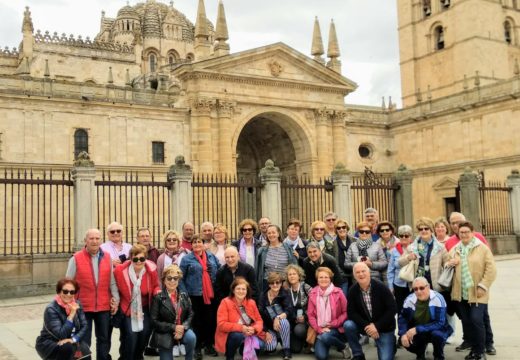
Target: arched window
[152,60]
[508,36]
[189,57]
[171,59]
[80,142]
[439,38]
[427,7]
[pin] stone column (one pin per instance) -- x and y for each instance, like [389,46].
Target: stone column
[202,147]
[513,181]
[342,197]
[403,196]
[470,197]
[225,152]
[338,136]
[323,140]
[83,176]
[271,178]
[181,194]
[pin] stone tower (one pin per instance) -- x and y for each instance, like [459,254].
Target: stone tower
[442,41]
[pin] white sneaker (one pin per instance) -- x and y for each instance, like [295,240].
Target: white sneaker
[182,349]
[176,352]
[363,340]
[346,352]
[450,340]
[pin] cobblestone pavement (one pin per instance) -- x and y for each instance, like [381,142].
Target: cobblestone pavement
[21,321]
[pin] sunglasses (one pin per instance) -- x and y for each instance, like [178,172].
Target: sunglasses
[67,292]
[366,232]
[421,288]
[172,240]
[341,228]
[247,230]
[406,236]
[275,283]
[330,220]
[118,231]
[319,229]
[423,229]
[139,259]
[172,278]
[385,230]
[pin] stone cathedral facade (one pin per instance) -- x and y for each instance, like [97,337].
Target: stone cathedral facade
[152,85]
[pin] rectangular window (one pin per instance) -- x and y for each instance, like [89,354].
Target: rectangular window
[158,152]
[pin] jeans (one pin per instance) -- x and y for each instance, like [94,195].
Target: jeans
[385,344]
[344,287]
[236,339]
[135,342]
[325,341]
[188,340]
[473,324]
[420,341]
[101,321]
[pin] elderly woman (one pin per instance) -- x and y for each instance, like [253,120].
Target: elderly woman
[367,251]
[171,315]
[327,312]
[277,311]
[247,245]
[475,271]
[137,282]
[442,229]
[397,286]
[299,292]
[173,252]
[318,229]
[64,324]
[342,242]
[297,244]
[220,242]
[387,240]
[272,258]
[199,270]
[431,254]
[238,319]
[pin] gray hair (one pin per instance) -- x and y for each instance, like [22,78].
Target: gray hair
[330,213]
[370,210]
[458,214]
[112,224]
[206,223]
[313,244]
[405,229]
[420,279]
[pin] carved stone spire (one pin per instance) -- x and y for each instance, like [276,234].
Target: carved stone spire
[27,25]
[28,37]
[333,50]
[221,34]
[317,43]
[202,45]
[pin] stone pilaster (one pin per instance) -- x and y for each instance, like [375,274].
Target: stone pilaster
[84,177]
[323,140]
[181,195]
[404,196]
[225,151]
[271,178]
[513,181]
[470,197]
[342,196]
[338,136]
[202,146]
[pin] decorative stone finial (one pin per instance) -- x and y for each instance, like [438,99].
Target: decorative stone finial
[333,50]
[269,170]
[221,33]
[317,42]
[201,25]
[391,105]
[83,160]
[383,105]
[180,168]
[27,25]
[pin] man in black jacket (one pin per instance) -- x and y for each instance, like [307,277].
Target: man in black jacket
[233,268]
[371,310]
[315,259]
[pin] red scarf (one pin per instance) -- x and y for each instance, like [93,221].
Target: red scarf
[399,248]
[63,305]
[207,287]
[177,306]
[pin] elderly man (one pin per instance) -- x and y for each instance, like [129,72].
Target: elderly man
[91,267]
[145,238]
[371,310]
[423,321]
[187,233]
[206,233]
[372,218]
[315,259]
[261,237]
[330,220]
[115,246]
[233,268]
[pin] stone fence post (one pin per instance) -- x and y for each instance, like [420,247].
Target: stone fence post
[513,181]
[181,195]
[404,196]
[271,194]
[470,197]
[341,195]
[84,177]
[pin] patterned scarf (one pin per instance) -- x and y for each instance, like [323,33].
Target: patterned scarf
[136,313]
[466,279]
[66,307]
[323,306]
[363,245]
[207,287]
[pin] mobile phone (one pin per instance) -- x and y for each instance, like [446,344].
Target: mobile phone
[122,257]
[299,313]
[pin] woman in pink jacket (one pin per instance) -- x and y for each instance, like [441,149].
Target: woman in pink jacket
[327,313]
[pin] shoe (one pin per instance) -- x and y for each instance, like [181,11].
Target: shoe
[182,349]
[478,356]
[450,340]
[287,354]
[363,340]
[346,353]
[359,357]
[176,351]
[198,354]
[463,347]
[490,350]
[210,350]
[469,356]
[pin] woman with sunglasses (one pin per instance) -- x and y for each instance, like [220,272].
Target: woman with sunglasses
[171,315]
[137,282]
[367,251]
[247,245]
[173,252]
[219,243]
[397,286]
[276,310]
[64,323]
[431,254]
[318,229]
[387,240]
[342,242]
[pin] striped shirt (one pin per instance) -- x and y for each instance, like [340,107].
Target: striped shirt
[276,260]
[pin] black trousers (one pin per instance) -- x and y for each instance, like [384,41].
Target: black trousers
[204,321]
[420,341]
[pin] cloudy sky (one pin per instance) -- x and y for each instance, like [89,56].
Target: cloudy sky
[366,29]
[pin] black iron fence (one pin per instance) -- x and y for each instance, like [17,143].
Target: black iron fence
[134,200]
[225,199]
[305,201]
[36,212]
[495,208]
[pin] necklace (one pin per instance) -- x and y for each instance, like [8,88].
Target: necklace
[295,299]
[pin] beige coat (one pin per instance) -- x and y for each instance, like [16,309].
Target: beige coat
[483,271]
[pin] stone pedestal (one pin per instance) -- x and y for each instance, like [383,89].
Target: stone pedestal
[271,178]
[181,195]
[84,177]
[342,197]
[470,197]
[513,181]
[403,196]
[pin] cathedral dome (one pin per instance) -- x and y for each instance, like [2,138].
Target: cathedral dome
[151,20]
[127,12]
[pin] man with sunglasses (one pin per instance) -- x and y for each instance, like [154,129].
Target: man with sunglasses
[423,321]
[91,267]
[115,246]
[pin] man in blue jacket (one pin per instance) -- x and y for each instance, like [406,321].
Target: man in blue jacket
[423,321]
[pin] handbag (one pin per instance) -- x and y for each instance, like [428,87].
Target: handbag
[407,272]
[311,335]
[446,277]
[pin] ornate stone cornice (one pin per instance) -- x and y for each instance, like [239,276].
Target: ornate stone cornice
[225,108]
[325,115]
[204,105]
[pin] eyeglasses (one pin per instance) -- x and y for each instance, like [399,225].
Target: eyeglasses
[67,292]
[319,229]
[385,230]
[406,236]
[423,229]
[330,220]
[139,259]
[464,232]
[172,278]
[275,283]
[118,231]
[171,240]
[341,228]
[364,232]
[247,230]
[421,288]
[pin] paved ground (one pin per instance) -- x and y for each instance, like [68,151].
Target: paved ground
[21,321]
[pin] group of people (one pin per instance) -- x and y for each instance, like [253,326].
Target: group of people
[333,291]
